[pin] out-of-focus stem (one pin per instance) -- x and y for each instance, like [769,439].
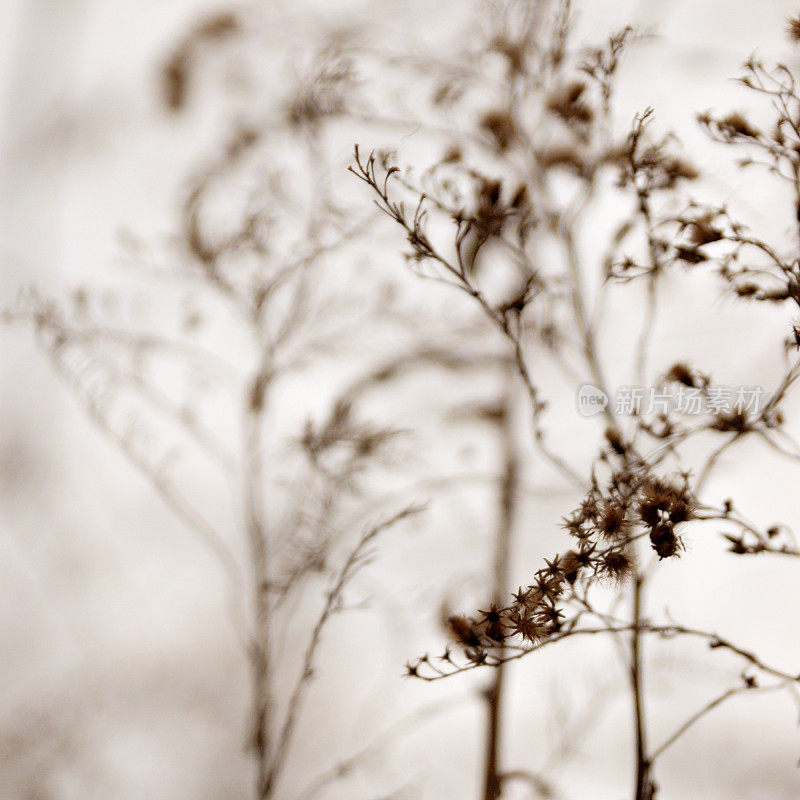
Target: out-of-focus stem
[643,785]
[508,501]
[255,524]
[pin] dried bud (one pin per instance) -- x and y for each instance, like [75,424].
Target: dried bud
[793,28]
[735,124]
[665,541]
[680,373]
[616,564]
[499,125]
[464,631]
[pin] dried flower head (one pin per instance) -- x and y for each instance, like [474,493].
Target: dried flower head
[499,126]
[793,28]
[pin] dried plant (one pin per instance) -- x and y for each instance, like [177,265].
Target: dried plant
[248,306]
[520,203]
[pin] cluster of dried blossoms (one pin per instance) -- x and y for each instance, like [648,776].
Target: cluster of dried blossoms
[702,234]
[633,504]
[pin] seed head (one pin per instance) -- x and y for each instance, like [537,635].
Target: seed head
[793,28]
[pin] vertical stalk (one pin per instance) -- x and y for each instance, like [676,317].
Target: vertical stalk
[582,320]
[643,787]
[255,524]
[508,501]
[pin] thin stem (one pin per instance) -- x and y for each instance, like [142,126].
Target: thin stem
[645,335]
[456,274]
[698,715]
[643,791]
[169,493]
[584,324]
[255,524]
[714,642]
[332,604]
[410,722]
[509,493]
[712,460]
[708,708]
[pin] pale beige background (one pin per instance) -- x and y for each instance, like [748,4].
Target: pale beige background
[121,677]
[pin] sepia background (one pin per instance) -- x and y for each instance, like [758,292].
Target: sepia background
[122,673]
